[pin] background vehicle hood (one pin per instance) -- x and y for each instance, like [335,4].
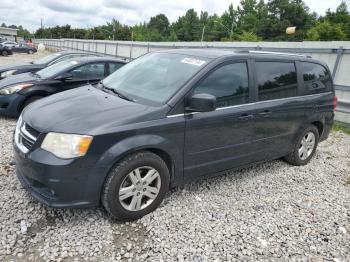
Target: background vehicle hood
[21,67]
[84,110]
[18,79]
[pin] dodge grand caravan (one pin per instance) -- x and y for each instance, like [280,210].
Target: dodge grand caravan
[169,117]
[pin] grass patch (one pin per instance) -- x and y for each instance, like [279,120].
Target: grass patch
[340,126]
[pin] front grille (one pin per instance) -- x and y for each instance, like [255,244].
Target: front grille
[31,130]
[25,136]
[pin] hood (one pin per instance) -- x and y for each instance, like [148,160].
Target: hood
[85,110]
[18,79]
[21,67]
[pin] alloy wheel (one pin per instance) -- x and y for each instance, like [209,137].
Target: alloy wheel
[307,145]
[139,188]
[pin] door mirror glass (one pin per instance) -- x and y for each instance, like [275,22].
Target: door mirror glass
[202,103]
[64,77]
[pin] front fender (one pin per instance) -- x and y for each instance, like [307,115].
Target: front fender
[132,144]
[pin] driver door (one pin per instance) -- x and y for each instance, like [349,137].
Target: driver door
[221,139]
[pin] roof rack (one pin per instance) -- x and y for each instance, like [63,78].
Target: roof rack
[277,53]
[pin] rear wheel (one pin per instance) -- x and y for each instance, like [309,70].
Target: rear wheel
[305,147]
[4,53]
[136,186]
[30,51]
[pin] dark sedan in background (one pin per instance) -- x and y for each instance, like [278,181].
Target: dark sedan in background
[39,64]
[5,50]
[18,91]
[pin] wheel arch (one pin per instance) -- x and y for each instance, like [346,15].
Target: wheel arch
[320,126]
[169,152]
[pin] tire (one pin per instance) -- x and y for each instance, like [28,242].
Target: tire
[301,157]
[30,100]
[30,52]
[119,192]
[4,53]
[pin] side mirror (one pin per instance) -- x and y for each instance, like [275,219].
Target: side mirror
[64,77]
[202,103]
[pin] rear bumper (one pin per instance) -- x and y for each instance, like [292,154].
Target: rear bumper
[10,104]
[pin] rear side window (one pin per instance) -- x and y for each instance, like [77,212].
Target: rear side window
[276,80]
[316,78]
[228,83]
[114,67]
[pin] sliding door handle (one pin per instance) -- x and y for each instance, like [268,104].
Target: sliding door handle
[245,117]
[265,113]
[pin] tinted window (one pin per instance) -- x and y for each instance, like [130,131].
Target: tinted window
[114,67]
[229,84]
[89,71]
[276,80]
[316,78]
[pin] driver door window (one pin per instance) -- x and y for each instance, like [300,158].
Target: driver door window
[228,83]
[89,71]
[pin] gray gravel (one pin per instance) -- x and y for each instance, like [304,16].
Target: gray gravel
[271,211]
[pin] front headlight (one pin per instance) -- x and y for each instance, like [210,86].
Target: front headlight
[7,73]
[14,89]
[66,145]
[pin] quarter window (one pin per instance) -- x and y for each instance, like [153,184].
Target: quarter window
[276,80]
[316,78]
[229,84]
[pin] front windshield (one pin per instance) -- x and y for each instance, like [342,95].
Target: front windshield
[154,77]
[46,59]
[55,69]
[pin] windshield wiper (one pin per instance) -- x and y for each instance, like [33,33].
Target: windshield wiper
[35,74]
[105,88]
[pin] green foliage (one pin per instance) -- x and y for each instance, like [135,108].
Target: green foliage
[249,37]
[251,20]
[324,31]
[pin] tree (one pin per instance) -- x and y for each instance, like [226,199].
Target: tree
[160,23]
[325,31]
[187,27]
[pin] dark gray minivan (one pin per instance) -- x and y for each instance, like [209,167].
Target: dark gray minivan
[169,117]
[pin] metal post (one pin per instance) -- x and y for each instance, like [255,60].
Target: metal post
[148,47]
[116,49]
[95,46]
[105,47]
[340,52]
[132,38]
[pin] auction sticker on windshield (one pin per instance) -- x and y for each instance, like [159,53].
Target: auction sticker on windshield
[193,61]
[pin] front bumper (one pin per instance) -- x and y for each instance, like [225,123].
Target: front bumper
[57,182]
[10,104]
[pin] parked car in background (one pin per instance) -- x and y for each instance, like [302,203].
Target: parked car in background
[9,43]
[40,63]
[5,51]
[167,118]
[24,48]
[20,90]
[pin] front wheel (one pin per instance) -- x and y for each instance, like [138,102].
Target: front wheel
[304,148]
[4,53]
[30,52]
[136,186]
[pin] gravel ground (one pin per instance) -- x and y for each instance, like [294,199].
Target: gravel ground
[269,212]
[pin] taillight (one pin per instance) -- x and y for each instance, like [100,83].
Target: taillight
[335,101]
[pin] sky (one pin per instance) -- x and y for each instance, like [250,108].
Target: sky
[89,13]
